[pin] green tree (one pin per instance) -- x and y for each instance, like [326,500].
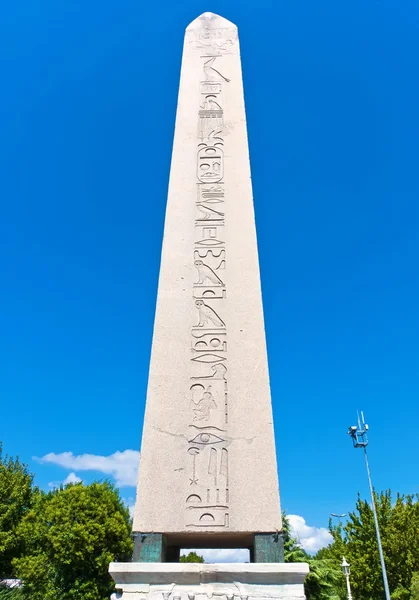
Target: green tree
[292,550]
[15,499]
[324,581]
[414,586]
[192,557]
[70,536]
[399,528]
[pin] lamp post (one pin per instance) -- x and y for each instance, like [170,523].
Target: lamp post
[360,440]
[338,516]
[345,566]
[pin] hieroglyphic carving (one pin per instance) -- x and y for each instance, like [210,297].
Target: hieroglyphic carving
[208,213]
[207,435]
[208,506]
[208,358]
[193,451]
[203,404]
[206,274]
[207,205]
[213,512]
[207,315]
[210,114]
[210,88]
[209,340]
[224,464]
[215,259]
[210,165]
[209,237]
[218,372]
[208,279]
[213,41]
[210,72]
[217,518]
[203,292]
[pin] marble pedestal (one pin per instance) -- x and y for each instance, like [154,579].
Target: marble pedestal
[195,581]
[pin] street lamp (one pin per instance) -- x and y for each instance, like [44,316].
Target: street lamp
[360,440]
[345,566]
[338,516]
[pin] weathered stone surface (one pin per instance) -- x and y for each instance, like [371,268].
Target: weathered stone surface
[188,581]
[208,465]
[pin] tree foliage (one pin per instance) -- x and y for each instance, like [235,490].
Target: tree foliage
[15,499]
[192,557]
[399,528]
[70,536]
[414,586]
[293,552]
[324,581]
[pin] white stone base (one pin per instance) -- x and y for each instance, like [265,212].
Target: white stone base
[197,581]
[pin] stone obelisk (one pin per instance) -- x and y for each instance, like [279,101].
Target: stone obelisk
[208,472]
[208,465]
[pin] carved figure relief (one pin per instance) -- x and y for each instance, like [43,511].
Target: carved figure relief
[206,274]
[211,74]
[207,315]
[208,396]
[202,406]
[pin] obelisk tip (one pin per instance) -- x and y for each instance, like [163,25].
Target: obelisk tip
[209,20]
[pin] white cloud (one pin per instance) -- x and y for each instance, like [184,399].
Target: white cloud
[310,538]
[217,555]
[72,478]
[123,466]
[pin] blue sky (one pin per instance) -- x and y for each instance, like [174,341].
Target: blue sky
[88,101]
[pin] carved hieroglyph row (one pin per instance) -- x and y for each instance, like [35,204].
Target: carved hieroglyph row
[212,41]
[207,497]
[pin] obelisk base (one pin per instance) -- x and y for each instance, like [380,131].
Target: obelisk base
[158,547]
[197,581]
